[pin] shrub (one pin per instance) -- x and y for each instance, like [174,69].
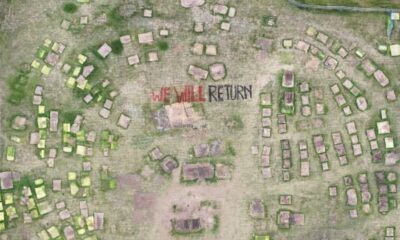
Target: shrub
[162,45]
[70,8]
[117,46]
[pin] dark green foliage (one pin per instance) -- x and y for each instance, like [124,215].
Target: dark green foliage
[230,150]
[117,46]
[264,20]
[198,107]
[70,8]
[234,122]
[162,45]
[69,117]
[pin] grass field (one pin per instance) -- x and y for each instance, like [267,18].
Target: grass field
[356,3]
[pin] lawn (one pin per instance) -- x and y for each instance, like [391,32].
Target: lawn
[356,3]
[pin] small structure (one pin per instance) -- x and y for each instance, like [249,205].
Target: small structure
[34,138]
[394,50]
[319,144]
[104,50]
[323,38]
[198,27]
[391,158]
[65,24]
[69,233]
[216,148]
[211,50]
[331,63]
[226,26]
[84,20]
[53,121]
[188,225]
[169,164]
[192,3]
[332,191]
[125,39]
[201,150]
[368,66]
[6,181]
[303,46]
[177,115]
[37,100]
[220,9]
[288,79]
[285,200]
[64,214]
[287,43]
[383,127]
[152,57]
[297,219]
[288,99]
[284,219]
[98,221]
[381,78]
[156,154]
[391,95]
[362,104]
[395,16]
[56,184]
[133,60]
[197,72]
[198,171]
[257,209]
[124,121]
[146,38]
[217,71]
[87,70]
[104,113]
[351,197]
[164,32]
[51,59]
[19,123]
[198,49]
[148,13]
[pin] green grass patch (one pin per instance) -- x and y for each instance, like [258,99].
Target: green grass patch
[162,45]
[70,8]
[198,107]
[230,150]
[234,122]
[216,224]
[69,117]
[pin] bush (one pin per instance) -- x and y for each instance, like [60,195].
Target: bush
[162,45]
[117,46]
[70,8]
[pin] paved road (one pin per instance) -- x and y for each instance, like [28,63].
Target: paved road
[342,8]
